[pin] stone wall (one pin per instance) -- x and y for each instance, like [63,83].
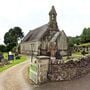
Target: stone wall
[28,47]
[69,70]
[81,48]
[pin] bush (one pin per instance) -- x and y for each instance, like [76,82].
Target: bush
[17,57]
[2,48]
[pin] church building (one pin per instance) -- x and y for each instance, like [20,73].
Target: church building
[46,39]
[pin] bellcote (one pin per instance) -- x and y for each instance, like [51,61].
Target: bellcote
[52,14]
[52,19]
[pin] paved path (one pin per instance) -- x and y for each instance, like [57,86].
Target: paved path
[14,79]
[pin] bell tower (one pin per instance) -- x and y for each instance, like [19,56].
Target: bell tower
[53,20]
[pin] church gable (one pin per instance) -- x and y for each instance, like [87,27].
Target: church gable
[62,41]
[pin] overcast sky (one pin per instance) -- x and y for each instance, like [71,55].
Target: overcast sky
[72,15]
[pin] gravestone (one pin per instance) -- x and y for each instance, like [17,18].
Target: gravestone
[1,57]
[3,61]
[10,56]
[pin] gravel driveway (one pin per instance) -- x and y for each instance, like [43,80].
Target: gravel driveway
[14,79]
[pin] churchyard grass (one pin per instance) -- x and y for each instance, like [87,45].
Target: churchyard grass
[5,55]
[84,44]
[74,56]
[13,62]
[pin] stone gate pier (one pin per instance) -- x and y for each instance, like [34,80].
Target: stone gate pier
[39,69]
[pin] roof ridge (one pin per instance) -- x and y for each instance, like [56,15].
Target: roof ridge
[39,27]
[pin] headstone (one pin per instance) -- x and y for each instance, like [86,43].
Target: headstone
[1,57]
[10,56]
[10,53]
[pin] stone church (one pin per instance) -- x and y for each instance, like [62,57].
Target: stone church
[46,39]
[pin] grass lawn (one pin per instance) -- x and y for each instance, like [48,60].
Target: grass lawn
[84,44]
[13,62]
[74,56]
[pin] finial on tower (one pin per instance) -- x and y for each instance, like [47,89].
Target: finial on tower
[52,11]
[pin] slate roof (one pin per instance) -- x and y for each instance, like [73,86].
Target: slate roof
[36,34]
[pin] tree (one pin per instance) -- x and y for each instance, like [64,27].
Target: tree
[12,37]
[85,36]
[2,48]
[74,40]
[77,40]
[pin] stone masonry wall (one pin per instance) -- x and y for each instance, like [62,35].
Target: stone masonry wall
[70,70]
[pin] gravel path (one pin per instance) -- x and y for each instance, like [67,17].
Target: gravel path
[15,79]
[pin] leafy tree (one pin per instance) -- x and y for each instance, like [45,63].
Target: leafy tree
[12,37]
[85,36]
[2,48]
[70,41]
[77,40]
[74,40]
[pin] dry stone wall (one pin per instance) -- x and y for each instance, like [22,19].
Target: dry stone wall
[69,70]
